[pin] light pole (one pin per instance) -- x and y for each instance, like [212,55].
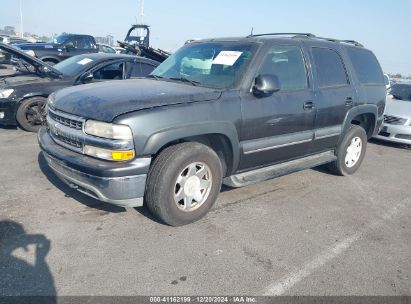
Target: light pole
[21,20]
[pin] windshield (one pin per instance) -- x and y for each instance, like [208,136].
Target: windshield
[216,65]
[401,91]
[59,39]
[73,65]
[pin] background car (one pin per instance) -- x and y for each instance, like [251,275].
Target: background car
[60,47]
[397,117]
[12,39]
[23,96]
[120,50]
[104,48]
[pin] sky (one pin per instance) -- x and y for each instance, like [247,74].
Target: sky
[382,26]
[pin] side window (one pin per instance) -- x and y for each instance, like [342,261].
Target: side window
[81,43]
[140,69]
[366,66]
[330,68]
[112,71]
[287,63]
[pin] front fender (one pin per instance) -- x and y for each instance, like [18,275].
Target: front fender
[161,138]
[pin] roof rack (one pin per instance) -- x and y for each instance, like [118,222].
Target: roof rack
[282,34]
[308,35]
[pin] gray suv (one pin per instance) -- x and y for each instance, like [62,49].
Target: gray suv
[233,111]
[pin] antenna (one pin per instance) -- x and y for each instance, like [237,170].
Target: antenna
[252,29]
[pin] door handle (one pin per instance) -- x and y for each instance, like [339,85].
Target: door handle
[308,105]
[348,101]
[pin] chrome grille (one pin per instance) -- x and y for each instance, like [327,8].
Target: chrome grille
[394,120]
[75,143]
[68,122]
[66,130]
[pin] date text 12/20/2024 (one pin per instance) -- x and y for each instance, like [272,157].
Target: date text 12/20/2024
[205,299]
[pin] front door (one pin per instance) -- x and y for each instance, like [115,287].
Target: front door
[279,127]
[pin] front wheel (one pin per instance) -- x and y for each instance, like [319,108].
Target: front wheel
[350,152]
[183,183]
[30,114]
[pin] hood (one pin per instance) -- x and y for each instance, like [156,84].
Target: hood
[11,82]
[395,107]
[37,63]
[107,100]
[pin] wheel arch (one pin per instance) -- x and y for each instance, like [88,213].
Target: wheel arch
[221,137]
[50,58]
[364,116]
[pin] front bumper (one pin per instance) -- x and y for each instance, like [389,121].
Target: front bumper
[395,133]
[7,109]
[121,184]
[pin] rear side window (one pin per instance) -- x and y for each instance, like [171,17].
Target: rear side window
[138,69]
[330,68]
[366,66]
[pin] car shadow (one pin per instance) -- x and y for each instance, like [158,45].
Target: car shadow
[380,142]
[18,277]
[69,192]
[9,127]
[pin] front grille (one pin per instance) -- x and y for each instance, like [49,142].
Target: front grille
[74,143]
[394,120]
[66,130]
[68,122]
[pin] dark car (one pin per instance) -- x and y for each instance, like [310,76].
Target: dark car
[60,48]
[24,94]
[233,111]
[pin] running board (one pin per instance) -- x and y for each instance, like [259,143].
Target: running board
[261,174]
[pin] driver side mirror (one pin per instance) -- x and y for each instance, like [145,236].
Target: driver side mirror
[87,78]
[266,85]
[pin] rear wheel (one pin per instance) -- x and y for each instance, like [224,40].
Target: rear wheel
[30,114]
[183,183]
[350,152]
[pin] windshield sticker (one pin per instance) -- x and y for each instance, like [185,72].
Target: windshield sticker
[85,61]
[227,57]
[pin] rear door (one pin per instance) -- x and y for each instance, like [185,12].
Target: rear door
[279,127]
[334,95]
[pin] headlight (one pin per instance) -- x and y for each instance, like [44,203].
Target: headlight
[6,93]
[106,154]
[108,130]
[30,52]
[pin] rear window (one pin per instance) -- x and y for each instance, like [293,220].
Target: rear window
[366,66]
[330,68]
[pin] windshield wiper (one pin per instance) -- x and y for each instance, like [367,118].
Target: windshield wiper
[193,82]
[155,77]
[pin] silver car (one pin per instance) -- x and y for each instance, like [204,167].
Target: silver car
[397,117]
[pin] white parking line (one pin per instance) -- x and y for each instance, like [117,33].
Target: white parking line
[280,286]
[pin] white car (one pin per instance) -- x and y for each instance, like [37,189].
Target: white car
[105,48]
[397,117]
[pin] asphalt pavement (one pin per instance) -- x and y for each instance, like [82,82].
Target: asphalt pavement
[308,233]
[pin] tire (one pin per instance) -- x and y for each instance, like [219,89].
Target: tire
[30,114]
[171,177]
[348,164]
